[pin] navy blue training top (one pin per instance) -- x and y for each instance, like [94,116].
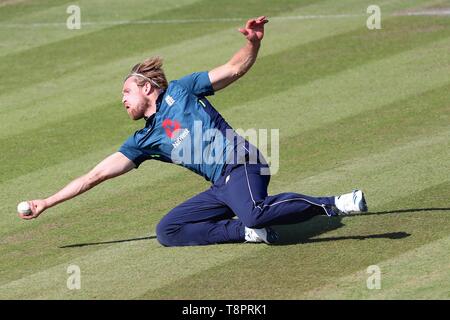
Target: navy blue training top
[187,130]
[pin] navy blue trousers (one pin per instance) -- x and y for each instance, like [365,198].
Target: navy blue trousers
[237,200]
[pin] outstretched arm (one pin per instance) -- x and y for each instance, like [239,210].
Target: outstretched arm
[242,61]
[113,166]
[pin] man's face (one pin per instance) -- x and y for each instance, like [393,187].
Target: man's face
[134,99]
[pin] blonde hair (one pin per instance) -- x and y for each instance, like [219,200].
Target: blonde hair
[149,71]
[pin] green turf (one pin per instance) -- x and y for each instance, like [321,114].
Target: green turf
[367,109]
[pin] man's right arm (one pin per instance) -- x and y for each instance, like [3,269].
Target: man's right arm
[113,166]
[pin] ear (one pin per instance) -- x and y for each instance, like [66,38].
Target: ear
[148,89]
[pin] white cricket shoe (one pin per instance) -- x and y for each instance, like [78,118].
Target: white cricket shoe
[267,235]
[351,202]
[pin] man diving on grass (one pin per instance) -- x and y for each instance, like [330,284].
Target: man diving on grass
[237,207]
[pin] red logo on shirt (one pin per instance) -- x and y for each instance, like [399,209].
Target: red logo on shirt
[170,126]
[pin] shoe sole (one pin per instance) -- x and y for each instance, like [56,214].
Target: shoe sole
[272,236]
[363,203]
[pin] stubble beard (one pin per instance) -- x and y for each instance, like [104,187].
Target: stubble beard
[140,110]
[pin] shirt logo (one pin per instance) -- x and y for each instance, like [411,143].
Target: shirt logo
[169,100]
[170,126]
[180,138]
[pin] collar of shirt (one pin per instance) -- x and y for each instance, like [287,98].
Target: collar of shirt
[149,120]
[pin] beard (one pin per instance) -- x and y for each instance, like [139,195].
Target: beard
[139,111]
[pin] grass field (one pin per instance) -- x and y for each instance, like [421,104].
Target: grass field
[355,108]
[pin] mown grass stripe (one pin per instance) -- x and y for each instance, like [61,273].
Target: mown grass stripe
[115,43]
[147,260]
[18,9]
[355,90]
[328,56]
[14,42]
[420,273]
[23,32]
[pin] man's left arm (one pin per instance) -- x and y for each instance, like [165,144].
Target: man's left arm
[243,60]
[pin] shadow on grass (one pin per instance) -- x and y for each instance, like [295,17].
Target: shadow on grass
[390,235]
[398,211]
[303,233]
[106,242]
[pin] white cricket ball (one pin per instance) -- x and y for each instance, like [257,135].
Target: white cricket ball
[24,208]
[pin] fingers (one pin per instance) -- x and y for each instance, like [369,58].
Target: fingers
[250,23]
[255,22]
[262,19]
[32,207]
[27,217]
[34,214]
[243,31]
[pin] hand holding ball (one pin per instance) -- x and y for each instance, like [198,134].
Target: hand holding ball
[24,208]
[31,209]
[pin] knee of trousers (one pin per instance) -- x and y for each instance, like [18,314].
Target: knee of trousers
[252,221]
[164,234]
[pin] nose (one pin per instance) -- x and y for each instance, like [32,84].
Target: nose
[124,100]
